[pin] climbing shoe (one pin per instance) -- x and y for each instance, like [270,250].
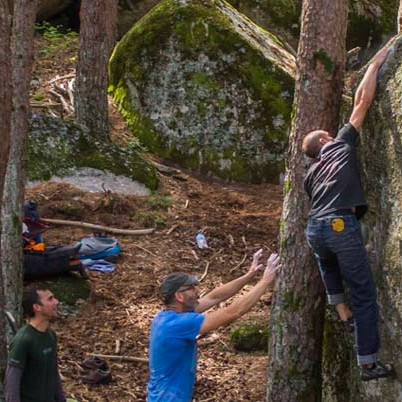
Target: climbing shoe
[94,363]
[97,377]
[377,371]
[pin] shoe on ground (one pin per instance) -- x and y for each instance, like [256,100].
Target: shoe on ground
[97,377]
[95,363]
[377,371]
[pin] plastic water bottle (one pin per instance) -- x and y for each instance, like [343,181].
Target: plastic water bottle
[201,240]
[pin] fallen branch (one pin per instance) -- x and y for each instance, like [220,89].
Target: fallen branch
[118,345]
[120,358]
[70,89]
[239,264]
[203,276]
[37,104]
[195,255]
[172,229]
[144,249]
[63,102]
[165,169]
[99,227]
[72,75]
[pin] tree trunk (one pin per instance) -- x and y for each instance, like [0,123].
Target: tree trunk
[97,39]
[11,214]
[5,118]
[400,17]
[297,315]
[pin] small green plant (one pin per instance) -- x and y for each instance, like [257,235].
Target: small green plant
[135,145]
[39,97]
[57,38]
[151,219]
[160,201]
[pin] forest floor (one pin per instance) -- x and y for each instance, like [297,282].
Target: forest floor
[237,220]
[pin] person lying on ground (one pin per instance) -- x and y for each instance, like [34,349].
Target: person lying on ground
[174,330]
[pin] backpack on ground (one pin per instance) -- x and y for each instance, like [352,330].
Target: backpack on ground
[98,247]
[52,261]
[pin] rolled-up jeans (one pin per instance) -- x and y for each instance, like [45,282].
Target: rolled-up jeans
[338,246]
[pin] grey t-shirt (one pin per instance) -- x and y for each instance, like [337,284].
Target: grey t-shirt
[333,181]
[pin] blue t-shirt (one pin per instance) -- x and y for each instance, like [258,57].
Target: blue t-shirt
[173,356]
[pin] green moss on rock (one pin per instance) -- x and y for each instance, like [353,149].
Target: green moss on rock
[55,147]
[217,93]
[250,337]
[369,22]
[69,288]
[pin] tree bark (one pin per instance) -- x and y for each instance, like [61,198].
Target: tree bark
[5,118]
[97,38]
[400,17]
[297,316]
[11,213]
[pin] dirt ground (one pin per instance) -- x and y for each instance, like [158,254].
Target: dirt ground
[237,220]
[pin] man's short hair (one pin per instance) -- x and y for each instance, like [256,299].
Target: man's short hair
[311,143]
[173,282]
[31,297]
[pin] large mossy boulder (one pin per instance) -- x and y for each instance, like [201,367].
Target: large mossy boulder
[57,147]
[381,169]
[202,85]
[370,21]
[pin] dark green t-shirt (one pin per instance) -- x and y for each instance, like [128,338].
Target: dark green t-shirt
[35,353]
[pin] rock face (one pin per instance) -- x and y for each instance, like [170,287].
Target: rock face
[281,17]
[57,148]
[200,84]
[369,20]
[381,157]
[382,165]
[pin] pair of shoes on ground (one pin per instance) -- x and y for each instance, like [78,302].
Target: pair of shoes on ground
[378,370]
[100,371]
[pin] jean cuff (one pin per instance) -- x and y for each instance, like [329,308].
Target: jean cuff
[336,298]
[366,359]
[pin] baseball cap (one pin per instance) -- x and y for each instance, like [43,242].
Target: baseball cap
[173,282]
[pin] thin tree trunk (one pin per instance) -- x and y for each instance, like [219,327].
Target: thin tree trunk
[5,118]
[11,214]
[297,315]
[97,38]
[400,17]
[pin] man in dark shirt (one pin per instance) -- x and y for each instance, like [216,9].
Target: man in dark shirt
[32,374]
[333,231]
